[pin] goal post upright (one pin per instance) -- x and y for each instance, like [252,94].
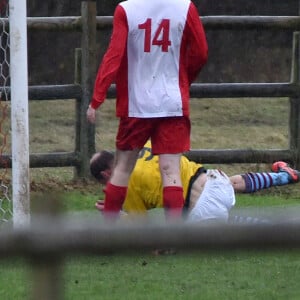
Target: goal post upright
[19,112]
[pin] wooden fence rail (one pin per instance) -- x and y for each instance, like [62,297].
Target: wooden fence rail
[85,68]
[197,90]
[74,23]
[62,236]
[211,156]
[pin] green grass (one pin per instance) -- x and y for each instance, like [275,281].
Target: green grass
[14,283]
[217,275]
[195,275]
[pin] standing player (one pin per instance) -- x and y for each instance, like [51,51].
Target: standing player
[156,51]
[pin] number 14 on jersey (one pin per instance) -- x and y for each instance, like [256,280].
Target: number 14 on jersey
[161,37]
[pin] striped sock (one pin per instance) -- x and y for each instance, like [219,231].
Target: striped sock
[259,181]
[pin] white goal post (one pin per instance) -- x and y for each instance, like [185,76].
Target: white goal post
[19,112]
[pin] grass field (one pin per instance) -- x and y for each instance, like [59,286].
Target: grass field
[226,123]
[216,275]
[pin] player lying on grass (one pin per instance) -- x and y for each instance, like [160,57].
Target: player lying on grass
[209,194]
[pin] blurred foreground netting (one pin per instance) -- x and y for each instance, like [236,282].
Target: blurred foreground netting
[266,215]
[51,236]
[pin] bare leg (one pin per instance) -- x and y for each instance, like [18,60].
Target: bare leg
[170,169]
[238,183]
[123,166]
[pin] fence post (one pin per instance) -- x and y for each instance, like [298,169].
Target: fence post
[88,71]
[47,273]
[77,80]
[294,114]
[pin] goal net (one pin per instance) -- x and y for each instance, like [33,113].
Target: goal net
[5,178]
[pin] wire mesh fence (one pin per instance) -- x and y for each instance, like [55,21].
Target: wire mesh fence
[5,199]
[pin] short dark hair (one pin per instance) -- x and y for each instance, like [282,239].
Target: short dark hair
[101,163]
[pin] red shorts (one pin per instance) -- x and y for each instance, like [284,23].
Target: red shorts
[169,135]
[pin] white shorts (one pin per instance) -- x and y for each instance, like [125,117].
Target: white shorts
[215,201]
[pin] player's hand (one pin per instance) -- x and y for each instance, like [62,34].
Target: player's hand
[91,115]
[100,205]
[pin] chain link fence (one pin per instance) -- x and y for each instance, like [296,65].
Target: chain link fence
[5,198]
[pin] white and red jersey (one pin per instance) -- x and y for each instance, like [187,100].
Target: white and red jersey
[156,50]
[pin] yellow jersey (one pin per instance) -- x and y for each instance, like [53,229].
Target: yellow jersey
[145,184]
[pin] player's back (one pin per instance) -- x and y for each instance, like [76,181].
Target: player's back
[155,30]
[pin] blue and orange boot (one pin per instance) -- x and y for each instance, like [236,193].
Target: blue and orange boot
[281,166]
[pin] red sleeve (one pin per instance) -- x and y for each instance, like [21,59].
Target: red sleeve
[112,58]
[197,53]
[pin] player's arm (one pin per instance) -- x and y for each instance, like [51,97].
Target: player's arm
[112,58]
[198,49]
